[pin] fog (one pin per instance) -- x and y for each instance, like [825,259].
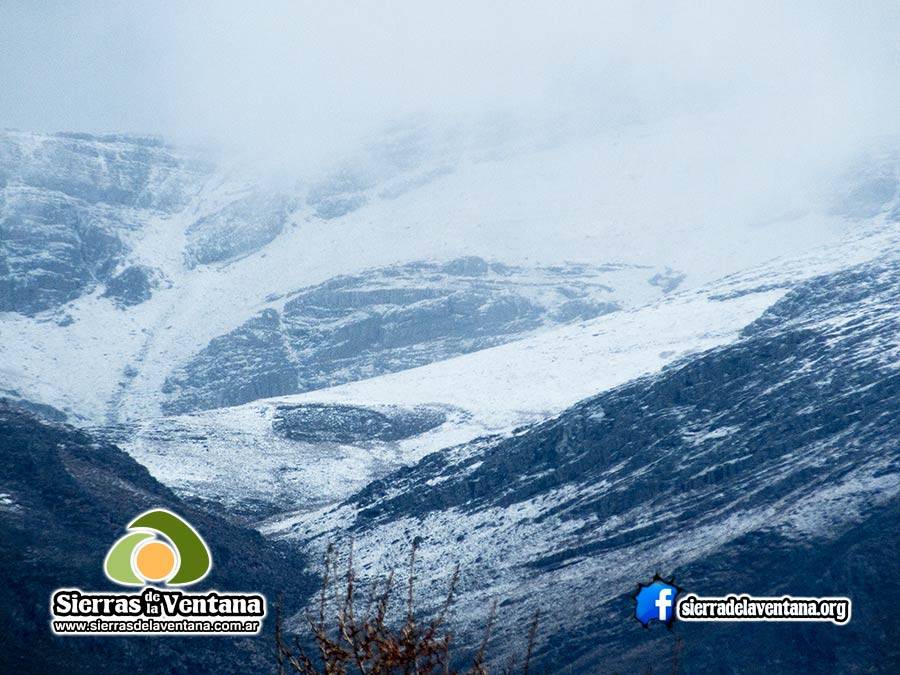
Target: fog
[304,80]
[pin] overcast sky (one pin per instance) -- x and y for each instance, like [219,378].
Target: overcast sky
[306,74]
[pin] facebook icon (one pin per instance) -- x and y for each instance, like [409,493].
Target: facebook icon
[655,600]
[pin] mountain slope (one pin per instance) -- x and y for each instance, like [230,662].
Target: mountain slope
[64,499]
[490,391]
[786,439]
[71,203]
[354,327]
[136,280]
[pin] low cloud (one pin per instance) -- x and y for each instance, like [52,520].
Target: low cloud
[299,81]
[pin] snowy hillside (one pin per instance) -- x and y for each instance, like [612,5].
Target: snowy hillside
[70,206]
[750,458]
[181,248]
[485,393]
[387,319]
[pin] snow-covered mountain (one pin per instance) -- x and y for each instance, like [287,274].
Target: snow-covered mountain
[392,318]
[124,260]
[567,361]
[489,392]
[69,206]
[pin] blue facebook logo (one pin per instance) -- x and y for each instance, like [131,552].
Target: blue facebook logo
[655,600]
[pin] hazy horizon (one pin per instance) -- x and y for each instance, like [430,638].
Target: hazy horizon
[303,80]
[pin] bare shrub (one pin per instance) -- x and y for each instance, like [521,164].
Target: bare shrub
[368,644]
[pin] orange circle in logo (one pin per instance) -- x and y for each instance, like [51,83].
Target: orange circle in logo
[155,561]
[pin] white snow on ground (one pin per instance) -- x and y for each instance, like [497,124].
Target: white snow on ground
[530,379]
[8,503]
[642,194]
[502,546]
[487,392]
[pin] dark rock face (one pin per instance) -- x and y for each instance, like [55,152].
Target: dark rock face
[260,365]
[52,249]
[314,423]
[339,194]
[66,200]
[115,170]
[66,498]
[241,227]
[132,286]
[382,321]
[469,266]
[336,205]
[769,430]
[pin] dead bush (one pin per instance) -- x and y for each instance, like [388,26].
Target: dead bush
[344,641]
